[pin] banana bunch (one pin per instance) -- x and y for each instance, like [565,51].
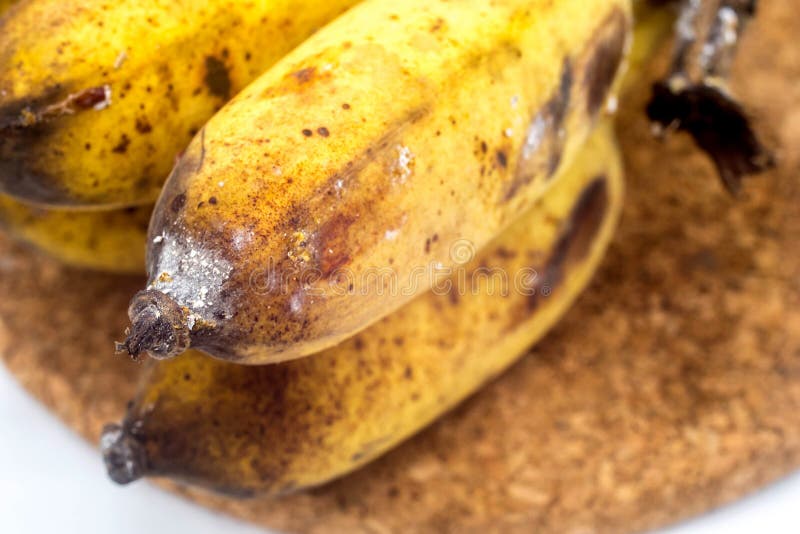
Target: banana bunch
[400,200]
[113,240]
[274,429]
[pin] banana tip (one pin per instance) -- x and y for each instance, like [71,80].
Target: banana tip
[123,454]
[158,327]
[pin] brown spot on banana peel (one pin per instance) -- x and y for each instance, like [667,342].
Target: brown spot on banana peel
[577,236]
[178,202]
[299,80]
[217,78]
[26,123]
[609,51]
[304,75]
[331,244]
[143,125]
[122,146]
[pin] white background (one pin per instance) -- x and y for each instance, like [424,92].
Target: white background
[52,481]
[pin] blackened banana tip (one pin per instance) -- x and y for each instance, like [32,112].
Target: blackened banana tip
[123,454]
[158,327]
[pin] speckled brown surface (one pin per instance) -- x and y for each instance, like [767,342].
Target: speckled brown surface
[672,387]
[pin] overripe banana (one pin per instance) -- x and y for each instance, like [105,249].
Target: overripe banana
[278,428]
[112,241]
[327,192]
[98,98]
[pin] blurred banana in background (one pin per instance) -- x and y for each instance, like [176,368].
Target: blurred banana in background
[97,99]
[5,4]
[111,241]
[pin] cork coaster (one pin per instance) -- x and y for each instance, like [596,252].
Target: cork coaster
[669,389]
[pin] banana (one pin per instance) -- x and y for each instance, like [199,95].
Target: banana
[654,22]
[98,98]
[111,241]
[274,429]
[329,192]
[5,4]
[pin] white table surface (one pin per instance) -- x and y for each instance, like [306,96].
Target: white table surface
[52,481]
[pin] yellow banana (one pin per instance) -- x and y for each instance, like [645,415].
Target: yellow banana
[112,241]
[327,192]
[654,20]
[109,241]
[5,4]
[272,429]
[97,98]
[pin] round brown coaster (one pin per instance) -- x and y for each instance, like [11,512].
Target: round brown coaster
[672,387]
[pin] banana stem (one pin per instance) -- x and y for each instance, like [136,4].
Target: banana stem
[685,36]
[720,49]
[702,104]
[724,25]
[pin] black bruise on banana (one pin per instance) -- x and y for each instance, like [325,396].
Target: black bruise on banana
[606,51]
[576,239]
[548,154]
[602,67]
